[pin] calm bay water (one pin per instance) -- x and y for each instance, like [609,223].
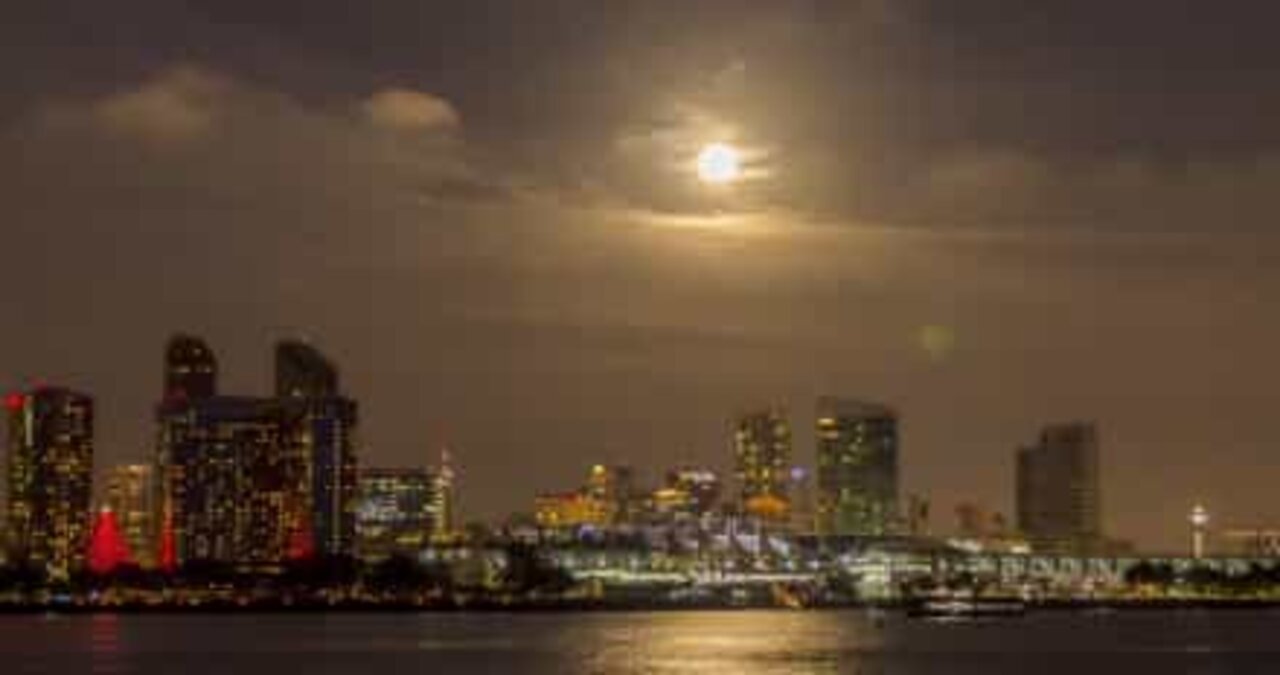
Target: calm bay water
[708,643]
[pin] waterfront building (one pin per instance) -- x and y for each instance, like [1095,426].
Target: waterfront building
[301,371]
[1058,490]
[320,443]
[688,493]
[762,463]
[190,368]
[612,486]
[228,494]
[131,498]
[399,510]
[243,479]
[1260,542]
[50,469]
[857,454]
[570,510]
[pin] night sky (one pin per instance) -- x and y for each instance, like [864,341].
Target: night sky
[991,215]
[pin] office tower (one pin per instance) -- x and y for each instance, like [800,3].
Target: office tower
[190,369]
[762,458]
[229,499]
[243,479]
[857,448]
[303,372]
[1058,494]
[398,512]
[131,498]
[50,478]
[319,428]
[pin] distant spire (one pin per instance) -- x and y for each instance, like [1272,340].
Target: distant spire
[446,465]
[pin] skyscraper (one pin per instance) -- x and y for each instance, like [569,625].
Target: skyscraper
[229,498]
[1058,491]
[246,480]
[398,511]
[50,478]
[762,458]
[303,372]
[319,426]
[132,498]
[190,369]
[857,448]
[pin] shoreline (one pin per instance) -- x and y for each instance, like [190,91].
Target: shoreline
[492,606]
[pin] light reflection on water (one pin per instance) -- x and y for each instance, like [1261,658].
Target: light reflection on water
[706,643]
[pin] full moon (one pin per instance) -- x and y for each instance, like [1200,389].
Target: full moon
[718,163]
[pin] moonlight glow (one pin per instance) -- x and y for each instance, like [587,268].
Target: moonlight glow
[719,163]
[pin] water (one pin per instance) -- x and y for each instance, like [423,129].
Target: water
[707,643]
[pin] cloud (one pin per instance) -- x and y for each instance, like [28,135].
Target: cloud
[197,137]
[408,110]
[179,104]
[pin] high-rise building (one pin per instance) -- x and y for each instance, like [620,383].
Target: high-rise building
[50,478]
[762,462]
[190,369]
[303,372]
[857,449]
[245,480]
[228,498]
[1058,492]
[131,497]
[397,513]
[320,427]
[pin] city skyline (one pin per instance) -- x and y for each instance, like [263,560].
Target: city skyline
[850,432]
[582,232]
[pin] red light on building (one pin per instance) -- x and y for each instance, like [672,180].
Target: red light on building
[168,554]
[14,402]
[301,545]
[107,548]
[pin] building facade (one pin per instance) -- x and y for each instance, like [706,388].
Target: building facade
[50,449]
[253,481]
[857,468]
[762,464]
[1058,490]
[399,511]
[320,438]
[688,494]
[229,498]
[131,498]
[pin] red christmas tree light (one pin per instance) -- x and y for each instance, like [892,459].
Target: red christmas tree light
[302,544]
[107,548]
